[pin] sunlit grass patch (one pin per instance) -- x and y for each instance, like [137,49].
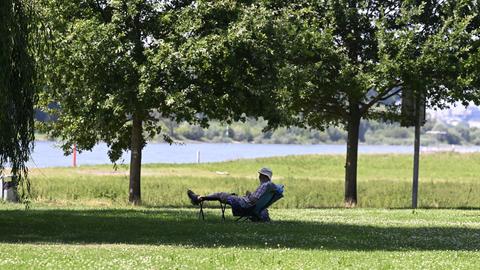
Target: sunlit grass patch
[447,180]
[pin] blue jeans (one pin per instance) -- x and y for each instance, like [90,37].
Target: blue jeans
[227,198]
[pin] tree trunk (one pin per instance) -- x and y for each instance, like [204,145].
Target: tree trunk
[351,162]
[136,161]
[416,156]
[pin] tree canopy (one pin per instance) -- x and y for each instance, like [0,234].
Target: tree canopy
[348,60]
[116,67]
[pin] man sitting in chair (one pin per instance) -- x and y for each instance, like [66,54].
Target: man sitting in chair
[265,177]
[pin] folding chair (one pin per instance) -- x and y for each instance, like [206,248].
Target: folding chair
[273,193]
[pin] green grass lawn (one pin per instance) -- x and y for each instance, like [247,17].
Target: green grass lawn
[173,238]
[447,180]
[79,217]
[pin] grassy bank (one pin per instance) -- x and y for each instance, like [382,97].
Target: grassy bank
[447,180]
[166,238]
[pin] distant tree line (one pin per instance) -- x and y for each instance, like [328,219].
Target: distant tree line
[371,132]
[252,131]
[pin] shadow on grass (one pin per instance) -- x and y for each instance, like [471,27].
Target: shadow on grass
[215,205]
[181,227]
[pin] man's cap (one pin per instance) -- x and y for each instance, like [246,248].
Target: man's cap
[267,172]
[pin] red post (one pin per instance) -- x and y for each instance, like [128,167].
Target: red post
[74,155]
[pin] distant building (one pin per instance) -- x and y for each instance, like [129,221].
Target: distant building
[458,115]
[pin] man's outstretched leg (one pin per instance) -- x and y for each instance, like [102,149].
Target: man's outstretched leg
[219,196]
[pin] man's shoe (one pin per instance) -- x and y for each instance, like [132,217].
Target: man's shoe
[193,197]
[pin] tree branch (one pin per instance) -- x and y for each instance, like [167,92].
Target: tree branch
[381,96]
[391,95]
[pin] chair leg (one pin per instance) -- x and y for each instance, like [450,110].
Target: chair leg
[200,214]
[223,207]
[240,218]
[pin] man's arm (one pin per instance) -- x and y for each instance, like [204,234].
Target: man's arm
[253,197]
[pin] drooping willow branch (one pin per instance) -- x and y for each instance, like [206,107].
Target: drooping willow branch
[17,89]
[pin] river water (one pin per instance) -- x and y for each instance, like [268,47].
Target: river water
[48,154]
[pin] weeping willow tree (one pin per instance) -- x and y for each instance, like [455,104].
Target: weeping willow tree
[17,89]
